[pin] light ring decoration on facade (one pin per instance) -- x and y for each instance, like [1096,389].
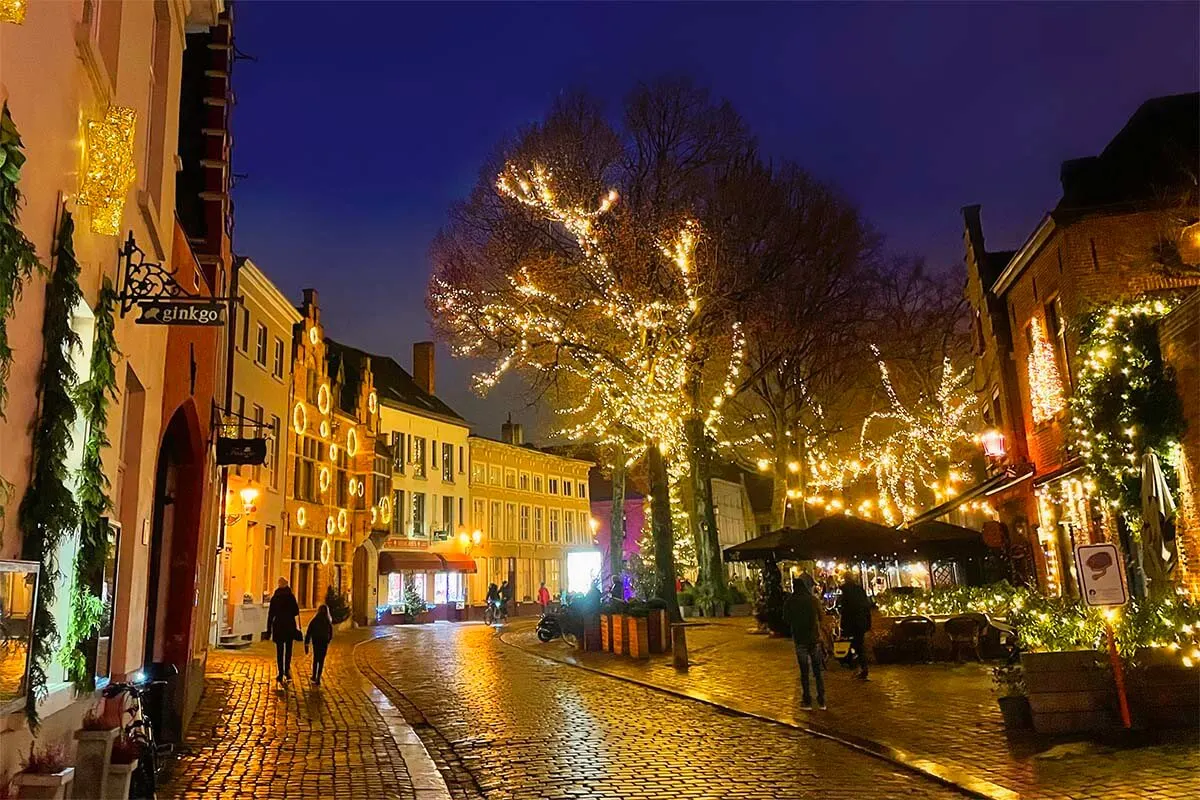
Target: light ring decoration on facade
[301,517]
[372,402]
[351,442]
[352,486]
[333,451]
[324,429]
[323,479]
[362,488]
[385,509]
[299,419]
[313,335]
[342,520]
[323,398]
[326,551]
[330,525]
[374,515]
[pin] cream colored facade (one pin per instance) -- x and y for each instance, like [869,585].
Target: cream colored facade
[532,509]
[262,393]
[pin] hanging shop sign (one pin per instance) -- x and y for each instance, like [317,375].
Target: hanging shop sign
[153,289]
[252,452]
[187,312]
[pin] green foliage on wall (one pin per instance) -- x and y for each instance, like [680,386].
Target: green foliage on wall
[48,512]
[92,398]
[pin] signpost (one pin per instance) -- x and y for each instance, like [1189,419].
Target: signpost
[182,312]
[1102,585]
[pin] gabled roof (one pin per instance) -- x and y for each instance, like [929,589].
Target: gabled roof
[393,384]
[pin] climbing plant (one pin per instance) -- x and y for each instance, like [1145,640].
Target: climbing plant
[48,512]
[92,398]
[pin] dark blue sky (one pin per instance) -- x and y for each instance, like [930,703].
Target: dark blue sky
[360,123]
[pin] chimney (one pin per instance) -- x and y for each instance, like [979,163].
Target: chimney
[511,433]
[423,365]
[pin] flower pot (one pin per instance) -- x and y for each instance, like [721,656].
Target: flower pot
[658,633]
[637,630]
[44,786]
[1016,712]
[92,755]
[606,633]
[116,785]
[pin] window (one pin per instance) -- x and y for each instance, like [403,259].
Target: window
[277,366]
[997,411]
[582,490]
[310,452]
[510,521]
[568,526]
[537,483]
[461,461]
[523,482]
[160,70]
[434,453]
[260,344]
[245,343]
[268,558]
[494,476]
[553,528]
[510,479]
[418,456]
[398,516]
[478,472]
[494,521]
[448,462]
[447,513]
[478,512]
[398,452]
[537,524]
[276,430]
[418,514]
[553,483]
[524,523]
[1056,329]
[585,527]
[566,488]
[462,514]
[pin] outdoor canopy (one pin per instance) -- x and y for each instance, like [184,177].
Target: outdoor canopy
[841,536]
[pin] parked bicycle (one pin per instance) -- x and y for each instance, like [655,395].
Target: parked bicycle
[140,731]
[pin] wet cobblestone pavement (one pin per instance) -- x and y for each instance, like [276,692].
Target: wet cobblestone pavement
[251,739]
[502,724]
[944,713]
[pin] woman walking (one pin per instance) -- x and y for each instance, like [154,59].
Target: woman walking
[319,634]
[283,621]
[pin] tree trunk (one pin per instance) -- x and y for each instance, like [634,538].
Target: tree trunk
[660,525]
[704,519]
[801,504]
[616,527]
[779,474]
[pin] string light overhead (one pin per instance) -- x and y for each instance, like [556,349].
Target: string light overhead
[109,170]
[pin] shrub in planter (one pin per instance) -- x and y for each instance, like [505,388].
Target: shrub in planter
[45,774]
[1009,682]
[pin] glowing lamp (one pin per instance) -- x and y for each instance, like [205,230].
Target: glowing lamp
[249,495]
[464,539]
[477,536]
[14,11]
[993,443]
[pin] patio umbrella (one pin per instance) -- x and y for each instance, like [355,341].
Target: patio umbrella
[1158,521]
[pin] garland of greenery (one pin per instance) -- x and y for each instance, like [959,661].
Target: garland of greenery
[1125,401]
[48,512]
[92,398]
[18,259]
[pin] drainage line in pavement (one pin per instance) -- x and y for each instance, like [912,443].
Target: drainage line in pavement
[948,776]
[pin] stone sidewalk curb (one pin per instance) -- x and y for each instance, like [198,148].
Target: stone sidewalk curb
[427,780]
[950,776]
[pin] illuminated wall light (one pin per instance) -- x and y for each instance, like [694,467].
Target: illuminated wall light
[763,465]
[323,479]
[374,515]
[342,520]
[314,335]
[301,517]
[109,171]
[324,396]
[326,551]
[299,419]
[333,452]
[330,525]
[372,402]
[12,11]
[385,509]
[351,442]
[325,429]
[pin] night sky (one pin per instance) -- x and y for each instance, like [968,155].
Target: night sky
[360,123]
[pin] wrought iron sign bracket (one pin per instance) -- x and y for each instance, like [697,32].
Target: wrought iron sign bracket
[153,289]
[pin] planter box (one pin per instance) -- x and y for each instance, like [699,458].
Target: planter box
[620,634]
[606,633]
[658,631]
[1016,713]
[1162,692]
[92,755]
[741,610]
[638,630]
[592,640]
[1069,692]
[55,786]
[116,785]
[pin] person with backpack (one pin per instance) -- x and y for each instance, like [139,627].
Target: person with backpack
[319,634]
[803,612]
[283,622]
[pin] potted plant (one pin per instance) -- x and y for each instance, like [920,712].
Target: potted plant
[1009,681]
[637,630]
[44,774]
[94,749]
[687,603]
[658,629]
[120,771]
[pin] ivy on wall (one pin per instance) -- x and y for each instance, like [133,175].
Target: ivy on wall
[92,399]
[49,512]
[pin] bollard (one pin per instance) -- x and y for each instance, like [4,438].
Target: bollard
[679,645]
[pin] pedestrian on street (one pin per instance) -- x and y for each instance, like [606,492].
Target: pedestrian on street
[283,621]
[855,609]
[319,634]
[804,615]
[505,597]
[544,597]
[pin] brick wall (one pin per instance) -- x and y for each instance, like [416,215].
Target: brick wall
[1179,335]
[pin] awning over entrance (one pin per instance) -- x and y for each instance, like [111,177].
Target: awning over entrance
[457,562]
[415,561]
[992,486]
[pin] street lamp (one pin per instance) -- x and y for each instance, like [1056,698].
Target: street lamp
[993,443]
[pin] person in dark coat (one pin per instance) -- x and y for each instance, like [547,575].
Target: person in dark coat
[803,612]
[283,621]
[319,634]
[855,609]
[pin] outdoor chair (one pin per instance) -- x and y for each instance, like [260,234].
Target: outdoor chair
[914,638]
[965,632]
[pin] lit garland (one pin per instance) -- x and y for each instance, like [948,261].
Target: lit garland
[12,11]
[109,171]
[1046,396]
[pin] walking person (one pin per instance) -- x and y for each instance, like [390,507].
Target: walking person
[319,634]
[283,621]
[804,615]
[544,598]
[855,609]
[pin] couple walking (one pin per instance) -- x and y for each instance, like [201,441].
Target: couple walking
[283,622]
[804,614]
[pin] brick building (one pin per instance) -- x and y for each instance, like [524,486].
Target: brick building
[1113,236]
